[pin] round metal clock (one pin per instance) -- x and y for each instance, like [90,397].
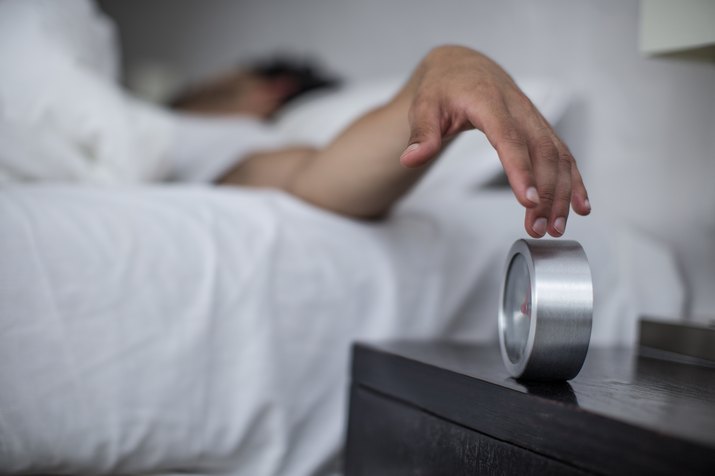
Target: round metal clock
[546,308]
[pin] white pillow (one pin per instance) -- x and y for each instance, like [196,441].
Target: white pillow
[205,147]
[57,92]
[468,162]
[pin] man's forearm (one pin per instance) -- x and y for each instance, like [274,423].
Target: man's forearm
[359,173]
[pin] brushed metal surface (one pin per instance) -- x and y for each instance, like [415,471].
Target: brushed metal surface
[560,313]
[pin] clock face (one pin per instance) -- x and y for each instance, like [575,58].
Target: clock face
[517,308]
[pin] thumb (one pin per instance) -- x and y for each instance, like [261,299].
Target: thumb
[425,142]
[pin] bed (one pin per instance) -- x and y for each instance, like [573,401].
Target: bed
[160,329]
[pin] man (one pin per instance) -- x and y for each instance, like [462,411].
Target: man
[378,158]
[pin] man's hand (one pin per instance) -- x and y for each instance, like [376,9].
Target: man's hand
[455,89]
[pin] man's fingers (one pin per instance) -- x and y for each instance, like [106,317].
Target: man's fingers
[513,152]
[545,159]
[562,194]
[425,136]
[535,225]
[579,195]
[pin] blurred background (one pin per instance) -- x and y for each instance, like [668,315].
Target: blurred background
[641,125]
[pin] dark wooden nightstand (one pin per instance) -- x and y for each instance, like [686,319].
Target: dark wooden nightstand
[419,408]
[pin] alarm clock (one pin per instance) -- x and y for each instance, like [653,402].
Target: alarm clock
[545,310]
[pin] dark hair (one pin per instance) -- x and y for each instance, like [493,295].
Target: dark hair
[306,74]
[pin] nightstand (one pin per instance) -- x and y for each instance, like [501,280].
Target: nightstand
[425,408]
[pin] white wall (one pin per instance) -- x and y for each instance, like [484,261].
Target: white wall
[643,129]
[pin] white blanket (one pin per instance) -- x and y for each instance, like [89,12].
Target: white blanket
[207,331]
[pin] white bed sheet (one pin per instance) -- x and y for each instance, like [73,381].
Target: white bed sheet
[200,330]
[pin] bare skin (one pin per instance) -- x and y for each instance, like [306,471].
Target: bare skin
[239,92]
[378,158]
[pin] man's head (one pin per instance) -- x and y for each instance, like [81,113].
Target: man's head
[259,90]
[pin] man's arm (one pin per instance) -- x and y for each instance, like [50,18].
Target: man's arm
[381,155]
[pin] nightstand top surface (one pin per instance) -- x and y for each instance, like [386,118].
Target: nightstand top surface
[615,387]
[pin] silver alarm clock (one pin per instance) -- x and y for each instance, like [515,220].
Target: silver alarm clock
[545,310]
